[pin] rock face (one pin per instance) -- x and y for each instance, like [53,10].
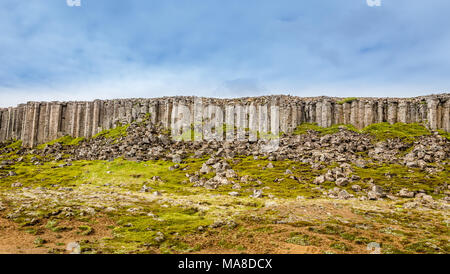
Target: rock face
[39,122]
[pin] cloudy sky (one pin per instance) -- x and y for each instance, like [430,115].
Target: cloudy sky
[221,48]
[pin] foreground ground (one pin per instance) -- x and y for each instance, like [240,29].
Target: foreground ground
[371,201]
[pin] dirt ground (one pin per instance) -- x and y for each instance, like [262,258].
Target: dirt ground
[15,240]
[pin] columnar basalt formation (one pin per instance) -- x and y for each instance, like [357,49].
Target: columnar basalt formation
[39,122]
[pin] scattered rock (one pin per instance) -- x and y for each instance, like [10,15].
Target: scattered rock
[159,238]
[16,184]
[344,195]
[405,193]
[319,180]
[12,173]
[356,188]
[341,182]
[257,193]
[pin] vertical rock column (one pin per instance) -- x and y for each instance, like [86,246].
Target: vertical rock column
[34,124]
[318,115]
[263,119]
[20,120]
[432,105]
[26,128]
[8,123]
[71,118]
[2,125]
[346,109]
[380,111]
[368,113]
[229,122]
[403,112]
[96,117]
[354,109]
[89,108]
[241,118]
[361,114]
[55,121]
[198,119]
[326,114]
[253,123]
[392,112]
[446,116]
[338,113]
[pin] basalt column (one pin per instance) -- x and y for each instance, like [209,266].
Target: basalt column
[446,116]
[432,113]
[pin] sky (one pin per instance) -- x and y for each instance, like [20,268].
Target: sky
[106,49]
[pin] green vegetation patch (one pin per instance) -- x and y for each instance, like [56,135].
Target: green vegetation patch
[304,128]
[394,177]
[15,145]
[159,229]
[347,100]
[302,239]
[275,180]
[114,133]
[380,131]
[406,132]
[65,141]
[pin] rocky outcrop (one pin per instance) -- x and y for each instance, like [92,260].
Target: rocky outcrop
[39,122]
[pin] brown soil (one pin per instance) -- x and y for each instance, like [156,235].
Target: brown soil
[15,240]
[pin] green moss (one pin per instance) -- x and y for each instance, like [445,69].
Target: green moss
[115,133]
[406,132]
[362,240]
[381,131]
[444,134]
[303,239]
[53,226]
[65,141]
[267,177]
[39,241]
[15,145]
[305,127]
[340,246]
[327,229]
[401,177]
[390,249]
[348,236]
[347,100]
[85,230]
[134,231]
[421,247]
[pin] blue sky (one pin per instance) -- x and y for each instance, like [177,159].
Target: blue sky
[221,48]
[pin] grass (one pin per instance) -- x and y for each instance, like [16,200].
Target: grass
[304,128]
[15,145]
[65,141]
[288,188]
[183,208]
[406,132]
[115,133]
[444,134]
[411,178]
[380,131]
[85,230]
[302,239]
[347,100]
